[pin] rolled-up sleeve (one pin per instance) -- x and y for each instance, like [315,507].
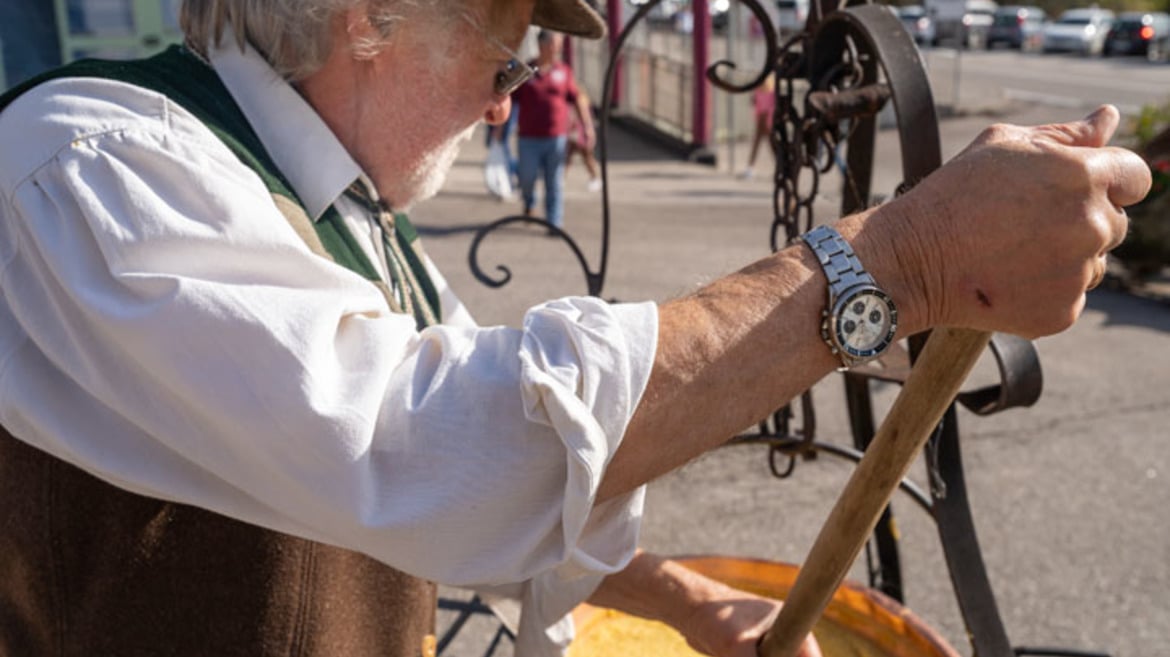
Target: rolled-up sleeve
[165,329]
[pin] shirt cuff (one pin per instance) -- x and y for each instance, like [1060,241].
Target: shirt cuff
[601,539]
[546,626]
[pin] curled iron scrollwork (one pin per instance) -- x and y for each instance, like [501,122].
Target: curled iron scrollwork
[595,279]
[717,71]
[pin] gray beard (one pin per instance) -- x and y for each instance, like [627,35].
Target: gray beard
[428,176]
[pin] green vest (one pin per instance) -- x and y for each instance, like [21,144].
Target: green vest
[193,85]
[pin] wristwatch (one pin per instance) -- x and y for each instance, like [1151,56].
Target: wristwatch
[860,319]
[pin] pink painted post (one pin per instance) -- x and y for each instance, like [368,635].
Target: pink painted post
[613,13]
[701,109]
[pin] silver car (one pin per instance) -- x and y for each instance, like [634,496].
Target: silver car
[1079,30]
[1017,26]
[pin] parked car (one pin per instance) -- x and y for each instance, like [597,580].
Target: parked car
[1017,26]
[791,16]
[964,24]
[919,23]
[977,23]
[720,14]
[1079,30]
[1139,33]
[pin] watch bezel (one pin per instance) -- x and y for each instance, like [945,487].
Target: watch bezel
[833,324]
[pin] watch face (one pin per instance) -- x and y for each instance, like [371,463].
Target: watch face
[864,322]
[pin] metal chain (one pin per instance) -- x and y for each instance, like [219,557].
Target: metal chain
[806,143]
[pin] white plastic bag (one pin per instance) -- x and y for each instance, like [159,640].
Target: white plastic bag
[495,171]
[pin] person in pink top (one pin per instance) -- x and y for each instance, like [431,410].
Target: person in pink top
[763,105]
[544,104]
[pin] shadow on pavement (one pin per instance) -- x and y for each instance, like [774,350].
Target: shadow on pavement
[625,144]
[1145,309]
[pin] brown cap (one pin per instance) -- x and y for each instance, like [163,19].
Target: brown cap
[575,17]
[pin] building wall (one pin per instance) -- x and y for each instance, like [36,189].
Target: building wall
[37,35]
[28,40]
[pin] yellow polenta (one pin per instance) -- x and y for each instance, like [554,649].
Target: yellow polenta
[858,622]
[611,633]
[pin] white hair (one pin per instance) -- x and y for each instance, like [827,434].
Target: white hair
[295,35]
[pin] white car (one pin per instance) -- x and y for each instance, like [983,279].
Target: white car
[1078,30]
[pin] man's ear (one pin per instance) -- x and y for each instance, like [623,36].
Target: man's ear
[497,111]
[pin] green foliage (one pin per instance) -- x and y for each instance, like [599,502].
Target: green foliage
[1151,120]
[1146,249]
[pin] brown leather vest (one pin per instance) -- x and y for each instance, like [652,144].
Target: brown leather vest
[88,570]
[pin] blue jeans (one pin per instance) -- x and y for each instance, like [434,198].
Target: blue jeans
[547,155]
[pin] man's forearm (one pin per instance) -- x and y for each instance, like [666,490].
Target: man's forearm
[652,587]
[1006,237]
[713,617]
[739,348]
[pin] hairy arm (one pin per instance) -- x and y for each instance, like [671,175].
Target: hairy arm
[737,349]
[1008,236]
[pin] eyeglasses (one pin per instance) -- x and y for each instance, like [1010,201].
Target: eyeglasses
[515,71]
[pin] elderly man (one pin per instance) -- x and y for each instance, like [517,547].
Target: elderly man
[244,415]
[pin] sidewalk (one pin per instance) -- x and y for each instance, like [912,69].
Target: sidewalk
[1070,496]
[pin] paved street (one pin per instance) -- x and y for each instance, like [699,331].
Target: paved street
[1060,80]
[1071,496]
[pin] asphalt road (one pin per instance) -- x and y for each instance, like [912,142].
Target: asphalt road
[1055,80]
[1071,496]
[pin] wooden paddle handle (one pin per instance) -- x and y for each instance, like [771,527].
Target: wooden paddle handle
[932,385]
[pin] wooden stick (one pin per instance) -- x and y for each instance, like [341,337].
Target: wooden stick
[932,385]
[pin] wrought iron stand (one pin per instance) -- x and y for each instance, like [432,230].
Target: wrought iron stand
[832,79]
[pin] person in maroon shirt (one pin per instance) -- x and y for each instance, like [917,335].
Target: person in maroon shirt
[543,104]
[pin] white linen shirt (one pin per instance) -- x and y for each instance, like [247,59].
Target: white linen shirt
[164,328]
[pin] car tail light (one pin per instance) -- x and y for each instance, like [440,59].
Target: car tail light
[1146,33]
